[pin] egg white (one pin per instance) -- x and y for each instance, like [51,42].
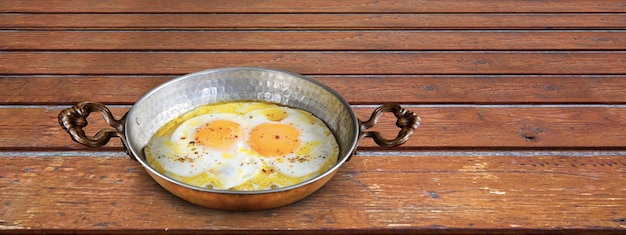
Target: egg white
[317,144]
[181,156]
[240,167]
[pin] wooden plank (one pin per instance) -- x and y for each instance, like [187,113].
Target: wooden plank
[522,104]
[370,62]
[412,89]
[611,21]
[312,40]
[443,127]
[284,6]
[512,194]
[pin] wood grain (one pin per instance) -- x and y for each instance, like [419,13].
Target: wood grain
[84,194]
[286,6]
[407,89]
[443,127]
[312,40]
[522,105]
[367,62]
[311,21]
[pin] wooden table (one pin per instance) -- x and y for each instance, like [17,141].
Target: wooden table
[522,106]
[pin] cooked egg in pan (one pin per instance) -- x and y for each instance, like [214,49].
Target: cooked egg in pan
[243,146]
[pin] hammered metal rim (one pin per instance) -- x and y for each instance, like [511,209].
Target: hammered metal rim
[341,159]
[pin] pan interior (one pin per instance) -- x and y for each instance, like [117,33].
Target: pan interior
[188,92]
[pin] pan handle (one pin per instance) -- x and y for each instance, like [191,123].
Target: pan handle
[74,119]
[407,122]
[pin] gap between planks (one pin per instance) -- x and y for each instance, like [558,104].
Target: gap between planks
[359,153]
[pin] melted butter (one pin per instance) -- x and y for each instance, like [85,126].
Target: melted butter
[274,114]
[307,148]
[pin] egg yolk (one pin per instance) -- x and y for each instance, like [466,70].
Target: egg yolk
[219,134]
[273,139]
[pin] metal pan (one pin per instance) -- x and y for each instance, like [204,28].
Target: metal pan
[185,93]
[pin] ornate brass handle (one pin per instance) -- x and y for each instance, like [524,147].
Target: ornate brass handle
[406,120]
[73,120]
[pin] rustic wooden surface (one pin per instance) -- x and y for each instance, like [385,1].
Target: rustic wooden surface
[523,106]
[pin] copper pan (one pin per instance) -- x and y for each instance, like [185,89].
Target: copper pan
[185,93]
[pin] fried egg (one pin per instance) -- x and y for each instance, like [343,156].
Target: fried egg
[243,146]
[290,140]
